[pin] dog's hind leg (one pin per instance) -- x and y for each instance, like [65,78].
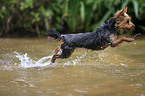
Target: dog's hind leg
[64,52]
[56,50]
[56,55]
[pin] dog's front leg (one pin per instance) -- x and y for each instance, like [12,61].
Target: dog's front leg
[118,42]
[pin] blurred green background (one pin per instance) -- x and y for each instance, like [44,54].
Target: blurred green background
[28,18]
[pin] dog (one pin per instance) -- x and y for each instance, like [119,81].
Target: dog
[101,38]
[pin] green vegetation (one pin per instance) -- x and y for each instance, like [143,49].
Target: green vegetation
[38,16]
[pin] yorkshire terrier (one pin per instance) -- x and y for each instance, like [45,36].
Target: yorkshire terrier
[99,39]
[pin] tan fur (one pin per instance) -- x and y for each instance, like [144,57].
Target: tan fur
[123,20]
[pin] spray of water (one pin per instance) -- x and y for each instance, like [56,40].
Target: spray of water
[27,62]
[74,61]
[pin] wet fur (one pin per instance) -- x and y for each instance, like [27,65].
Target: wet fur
[96,40]
[99,39]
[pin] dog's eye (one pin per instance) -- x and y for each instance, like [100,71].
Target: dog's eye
[127,21]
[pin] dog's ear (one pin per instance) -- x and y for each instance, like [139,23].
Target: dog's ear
[126,9]
[123,11]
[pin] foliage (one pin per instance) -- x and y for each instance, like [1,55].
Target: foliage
[73,15]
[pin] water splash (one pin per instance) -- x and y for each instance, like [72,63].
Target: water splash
[27,62]
[75,61]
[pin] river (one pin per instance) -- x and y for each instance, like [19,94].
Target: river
[25,70]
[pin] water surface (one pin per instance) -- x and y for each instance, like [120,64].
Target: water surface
[25,70]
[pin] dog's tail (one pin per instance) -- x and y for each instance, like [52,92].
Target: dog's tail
[54,34]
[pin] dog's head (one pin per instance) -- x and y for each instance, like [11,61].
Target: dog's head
[123,20]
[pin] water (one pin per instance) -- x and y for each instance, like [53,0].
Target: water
[27,62]
[26,70]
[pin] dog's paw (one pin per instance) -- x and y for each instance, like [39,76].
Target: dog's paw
[130,39]
[127,39]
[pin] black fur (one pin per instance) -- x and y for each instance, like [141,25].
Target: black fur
[96,40]
[54,34]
